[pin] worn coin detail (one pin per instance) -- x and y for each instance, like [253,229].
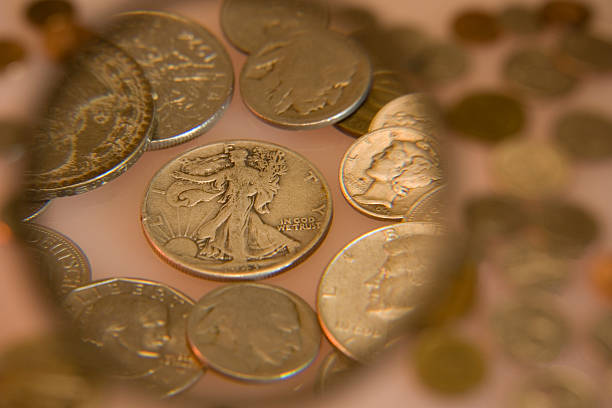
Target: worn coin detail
[236,210]
[306,80]
[254,332]
[584,135]
[190,72]
[137,327]
[385,172]
[417,111]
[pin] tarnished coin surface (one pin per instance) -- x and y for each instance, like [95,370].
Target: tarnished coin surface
[249,24]
[190,72]
[137,328]
[584,135]
[376,284]
[385,172]
[592,50]
[417,111]
[335,369]
[10,51]
[569,13]
[477,27]
[254,332]
[520,19]
[61,264]
[306,80]
[236,210]
[96,125]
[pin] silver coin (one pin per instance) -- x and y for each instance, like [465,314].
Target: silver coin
[584,135]
[417,111]
[589,49]
[190,72]
[306,80]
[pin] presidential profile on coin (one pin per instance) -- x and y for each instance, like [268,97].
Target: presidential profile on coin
[236,210]
[254,332]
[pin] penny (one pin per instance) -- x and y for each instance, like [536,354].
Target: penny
[588,49]
[334,370]
[306,80]
[96,124]
[42,12]
[602,336]
[447,363]
[535,71]
[376,285]
[385,172]
[254,332]
[417,111]
[441,63]
[494,215]
[476,27]
[137,328]
[486,116]
[565,13]
[601,275]
[236,210]
[11,51]
[520,19]
[530,168]
[60,263]
[249,24]
[584,135]
[386,85]
[190,72]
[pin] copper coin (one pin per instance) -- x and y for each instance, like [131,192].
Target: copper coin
[41,12]
[477,27]
[565,13]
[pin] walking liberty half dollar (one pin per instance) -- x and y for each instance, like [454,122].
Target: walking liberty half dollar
[236,210]
[386,172]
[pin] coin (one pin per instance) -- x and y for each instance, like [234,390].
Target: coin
[486,116]
[602,336]
[584,135]
[385,172]
[60,262]
[601,275]
[447,363]
[565,13]
[334,370]
[530,168]
[10,51]
[137,327]
[591,50]
[348,18]
[377,284]
[41,12]
[536,72]
[63,37]
[520,19]
[531,330]
[249,24]
[32,209]
[190,72]
[96,124]
[386,85]
[493,215]
[417,111]
[236,210]
[254,332]
[306,80]
[476,27]
[440,63]
[431,207]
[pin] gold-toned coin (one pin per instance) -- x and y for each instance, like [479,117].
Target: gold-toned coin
[137,328]
[417,111]
[31,209]
[601,275]
[10,51]
[190,72]
[588,49]
[62,265]
[385,172]
[569,13]
[63,38]
[520,19]
[431,207]
[348,18]
[334,370]
[249,24]
[236,210]
[42,12]
[494,216]
[602,336]
[96,124]
[584,135]
[530,168]
[447,363]
[254,332]
[306,80]
[476,27]
[377,284]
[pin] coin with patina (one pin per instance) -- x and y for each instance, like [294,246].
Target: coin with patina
[236,210]
[477,27]
[417,111]
[137,328]
[385,172]
[590,50]
[96,124]
[254,332]
[334,370]
[376,285]
[190,72]
[584,135]
[306,80]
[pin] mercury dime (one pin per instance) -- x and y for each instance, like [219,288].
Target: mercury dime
[476,26]
[306,80]
[96,125]
[376,284]
[589,49]
[254,332]
[417,111]
[385,172]
[584,135]
[138,328]
[334,370]
[236,210]
[190,72]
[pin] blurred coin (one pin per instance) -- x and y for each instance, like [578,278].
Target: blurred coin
[191,74]
[591,50]
[440,63]
[487,116]
[416,111]
[334,370]
[254,332]
[42,12]
[385,172]
[519,19]
[476,27]
[96,124]
[237,209]
[584,135]
[494,215]
[376,284]
[250,24]
[536,72]
[408,44]
[602,336]
[431,207]
[351,18]
[10,51]
[31,209]
[601,275]
[63,37]
[530,168]
[137,327]
[447,363]
[565,13]
[13,137]
[306,80]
